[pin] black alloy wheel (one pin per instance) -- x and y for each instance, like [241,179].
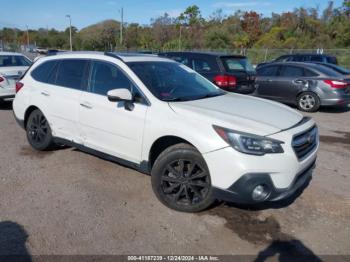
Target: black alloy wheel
[181,179]
[38,131]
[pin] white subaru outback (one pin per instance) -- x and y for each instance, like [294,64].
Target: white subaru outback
[198,142]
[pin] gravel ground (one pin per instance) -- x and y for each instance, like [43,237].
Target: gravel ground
[70,202]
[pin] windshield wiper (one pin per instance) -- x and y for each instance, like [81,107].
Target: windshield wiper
[175,99]
[210,95]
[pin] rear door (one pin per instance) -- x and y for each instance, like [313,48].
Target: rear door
[64,96]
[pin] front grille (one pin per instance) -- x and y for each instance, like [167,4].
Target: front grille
[305,143]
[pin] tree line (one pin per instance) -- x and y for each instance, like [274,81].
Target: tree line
[303,28]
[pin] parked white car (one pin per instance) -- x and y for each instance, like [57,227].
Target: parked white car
[198,142]
[12,67]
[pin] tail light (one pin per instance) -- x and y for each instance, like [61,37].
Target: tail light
[224,81]
[2,79]
[19,86]
[336,84]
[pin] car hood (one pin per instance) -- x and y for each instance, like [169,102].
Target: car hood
[241,113]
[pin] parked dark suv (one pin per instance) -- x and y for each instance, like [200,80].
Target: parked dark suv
[232,73]
[304,58]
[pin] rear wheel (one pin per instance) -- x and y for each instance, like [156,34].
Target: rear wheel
[308,102]
[181,179]
[38,131]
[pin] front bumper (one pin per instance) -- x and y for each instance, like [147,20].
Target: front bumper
[241,190]
[234,175]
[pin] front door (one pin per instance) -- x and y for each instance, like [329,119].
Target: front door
[107,126]
[266,81]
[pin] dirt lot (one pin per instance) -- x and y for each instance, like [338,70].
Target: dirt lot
[69,202]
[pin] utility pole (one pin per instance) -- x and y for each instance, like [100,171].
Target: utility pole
[121,25]
[27,37]
[180,39]
[70,32]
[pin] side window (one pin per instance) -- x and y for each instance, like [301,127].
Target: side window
[182,60]
[292,71]
[309,73]
[331,60]
[201,65]
[268,71]
[316,58]
[298,58]
[106,77]
[43,72]
[283,59]
[71,73]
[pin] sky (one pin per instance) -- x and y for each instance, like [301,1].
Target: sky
[52,13]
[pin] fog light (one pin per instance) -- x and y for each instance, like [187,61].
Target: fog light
[260,193]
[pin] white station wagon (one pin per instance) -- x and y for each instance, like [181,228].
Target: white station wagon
[198,142]
[12,67]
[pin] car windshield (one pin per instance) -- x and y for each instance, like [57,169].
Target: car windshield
[13,60]
[170,81]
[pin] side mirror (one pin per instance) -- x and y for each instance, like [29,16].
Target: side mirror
[119,95]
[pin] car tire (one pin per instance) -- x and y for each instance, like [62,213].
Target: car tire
[308,102]
[38,130]
[181,179]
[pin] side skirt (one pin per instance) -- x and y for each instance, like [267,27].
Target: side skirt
[142,167]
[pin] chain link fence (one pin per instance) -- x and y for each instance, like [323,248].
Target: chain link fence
[256,56]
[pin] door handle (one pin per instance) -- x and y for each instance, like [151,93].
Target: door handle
[45,93]
[300,82]
[86,105]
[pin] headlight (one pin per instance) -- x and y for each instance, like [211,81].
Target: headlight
[248,143]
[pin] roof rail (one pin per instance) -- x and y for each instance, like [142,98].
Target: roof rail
[114,55]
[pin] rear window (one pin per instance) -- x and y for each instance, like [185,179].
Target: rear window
[232,64]
[71,73]
[43,71]
[328,71]
[332,60]
[14,60]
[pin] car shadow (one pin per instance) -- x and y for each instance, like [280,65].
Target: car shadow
[289,250]
[5,105]
[335,109]
[13,238]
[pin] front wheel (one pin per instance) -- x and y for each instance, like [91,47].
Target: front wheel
[181,179]
[38,131]
[308,102]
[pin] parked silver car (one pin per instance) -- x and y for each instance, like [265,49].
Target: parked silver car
[12,67]
[306,85]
